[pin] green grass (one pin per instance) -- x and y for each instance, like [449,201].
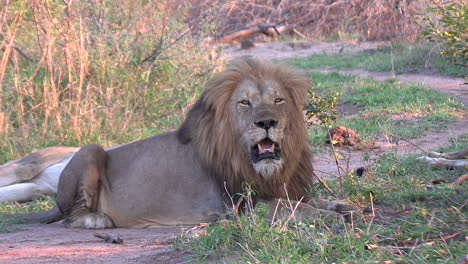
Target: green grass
[10,224]
[405,57]
[387,110]
[407,225]
[406,214]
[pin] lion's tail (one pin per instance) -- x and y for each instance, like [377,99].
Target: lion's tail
[44,217]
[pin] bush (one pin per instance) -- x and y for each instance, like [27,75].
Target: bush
[74,72]
[321,109]
[446,24]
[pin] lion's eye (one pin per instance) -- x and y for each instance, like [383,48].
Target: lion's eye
[279,100]
[244,102]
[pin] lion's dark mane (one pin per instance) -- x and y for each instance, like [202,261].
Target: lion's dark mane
[210,127]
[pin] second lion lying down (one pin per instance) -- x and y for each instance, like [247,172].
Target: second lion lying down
[247,127]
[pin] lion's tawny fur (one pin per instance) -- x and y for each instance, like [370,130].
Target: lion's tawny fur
[209,125]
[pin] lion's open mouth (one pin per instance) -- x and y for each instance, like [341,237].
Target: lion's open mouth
[265,149]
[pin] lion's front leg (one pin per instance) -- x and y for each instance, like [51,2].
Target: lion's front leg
[284,209]
[78,189]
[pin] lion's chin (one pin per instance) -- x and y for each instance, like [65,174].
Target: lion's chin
[267,167]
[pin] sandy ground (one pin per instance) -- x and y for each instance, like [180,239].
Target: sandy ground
[55,244]
[284,50]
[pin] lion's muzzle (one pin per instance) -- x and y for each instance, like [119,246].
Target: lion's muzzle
[265,149]
[266,124]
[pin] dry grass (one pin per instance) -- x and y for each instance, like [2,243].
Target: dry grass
[73,72]
[370,20]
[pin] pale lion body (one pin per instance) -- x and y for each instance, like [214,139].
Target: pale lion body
[246,127]
[457,159]
[34,175]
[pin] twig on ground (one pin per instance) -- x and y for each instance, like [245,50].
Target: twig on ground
[109,238]
[246,248]
[336,162]
[324,184]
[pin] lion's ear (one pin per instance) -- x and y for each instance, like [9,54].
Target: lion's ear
[186,130]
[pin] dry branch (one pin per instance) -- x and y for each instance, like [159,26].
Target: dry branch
[323,183]
[267,29]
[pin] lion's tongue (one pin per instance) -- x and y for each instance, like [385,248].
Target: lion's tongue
[266,145]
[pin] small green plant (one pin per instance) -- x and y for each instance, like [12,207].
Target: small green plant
[322,109]
[255,239]
[447,23]
[39,204]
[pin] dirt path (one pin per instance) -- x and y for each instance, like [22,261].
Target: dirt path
[56,244]
[284,50]
[428,141]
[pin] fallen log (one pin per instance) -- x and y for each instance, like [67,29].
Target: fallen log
[272,30]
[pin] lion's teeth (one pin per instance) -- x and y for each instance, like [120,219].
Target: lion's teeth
[260,149]
[263,148]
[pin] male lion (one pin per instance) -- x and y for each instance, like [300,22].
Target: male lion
[247,127]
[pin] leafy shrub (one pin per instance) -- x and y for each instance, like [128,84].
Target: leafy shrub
[446,24]
[321,109]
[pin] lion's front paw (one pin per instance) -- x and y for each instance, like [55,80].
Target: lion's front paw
[344,207]
[340,207]
[91,221]
[303,212]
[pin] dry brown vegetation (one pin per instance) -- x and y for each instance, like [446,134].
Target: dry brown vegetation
[73,72]
[369,19]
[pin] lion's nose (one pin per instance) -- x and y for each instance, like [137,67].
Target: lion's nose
[266,124]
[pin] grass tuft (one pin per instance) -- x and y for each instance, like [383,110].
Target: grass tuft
[398,57]
[402,221]
[8,224]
